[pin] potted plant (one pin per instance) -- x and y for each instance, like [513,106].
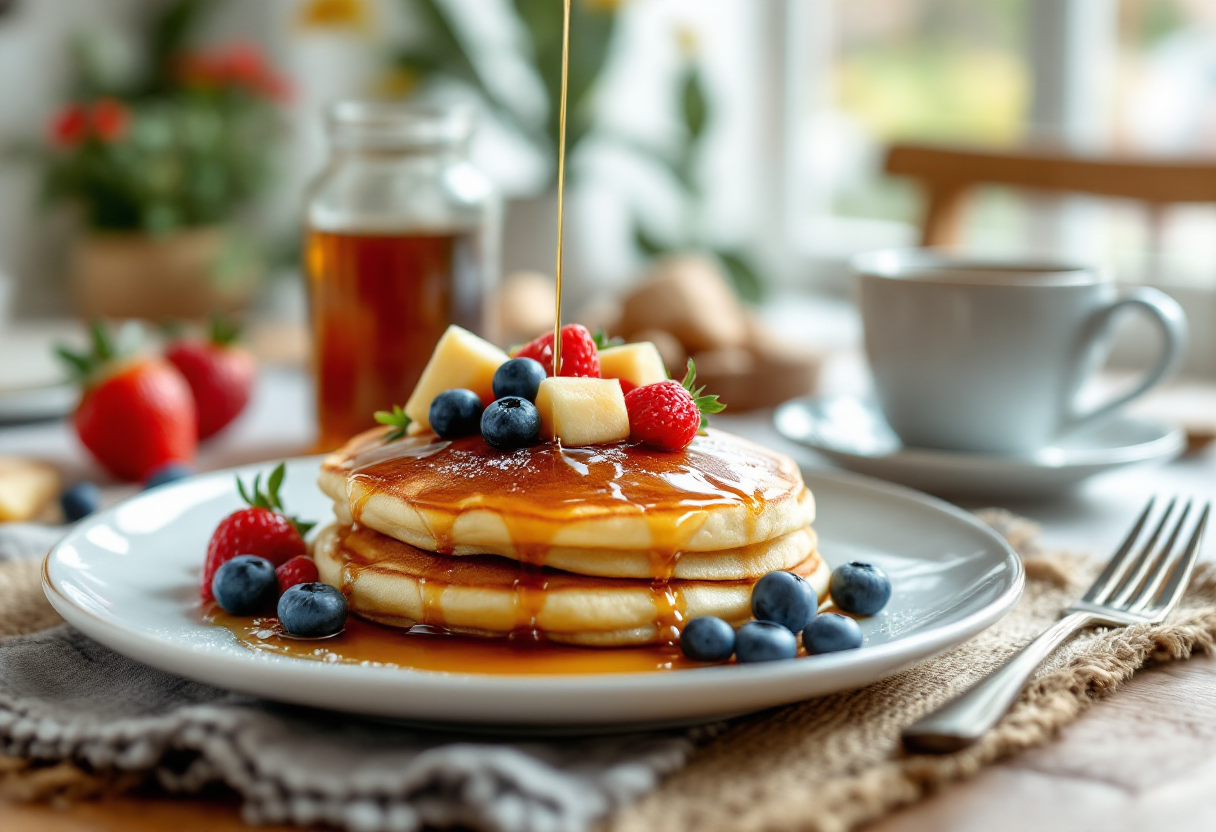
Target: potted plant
[157,169]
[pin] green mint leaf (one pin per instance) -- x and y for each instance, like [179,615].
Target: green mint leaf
[396,420]
[274,484]
[603,342]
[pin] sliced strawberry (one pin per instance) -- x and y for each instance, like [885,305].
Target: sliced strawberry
[579,354]
[667,415]
[298,570]
[262,529]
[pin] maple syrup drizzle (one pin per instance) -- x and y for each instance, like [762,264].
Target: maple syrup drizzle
[561,189]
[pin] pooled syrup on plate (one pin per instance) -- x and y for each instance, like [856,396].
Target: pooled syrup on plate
[423,648]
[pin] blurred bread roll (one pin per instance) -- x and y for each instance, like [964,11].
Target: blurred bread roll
[689,297]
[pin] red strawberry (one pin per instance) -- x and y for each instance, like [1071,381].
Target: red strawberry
[579,354]
[136,413]
[262,529]
[668,414]
[298,570]
[220,374]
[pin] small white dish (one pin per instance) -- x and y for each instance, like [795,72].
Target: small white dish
[852,433]
[128,577]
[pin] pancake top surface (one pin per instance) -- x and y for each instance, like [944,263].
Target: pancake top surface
[547,481]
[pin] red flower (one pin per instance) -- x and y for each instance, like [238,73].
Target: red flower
[110,119]
[70,126]
[240,65]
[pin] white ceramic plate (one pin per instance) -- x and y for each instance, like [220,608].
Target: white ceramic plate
[128,578]
[853,434]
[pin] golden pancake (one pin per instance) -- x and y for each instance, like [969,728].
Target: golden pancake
[580,505]
[393,583]
[741,563]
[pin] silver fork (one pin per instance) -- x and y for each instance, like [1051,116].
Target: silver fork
[1139,588]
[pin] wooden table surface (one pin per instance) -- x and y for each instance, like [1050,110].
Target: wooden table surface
[1144,759]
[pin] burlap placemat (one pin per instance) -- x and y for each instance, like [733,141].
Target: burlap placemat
[834,763]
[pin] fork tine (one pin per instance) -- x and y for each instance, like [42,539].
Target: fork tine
[1173,589]
[1114,568]
[1139,567]
[1161,566]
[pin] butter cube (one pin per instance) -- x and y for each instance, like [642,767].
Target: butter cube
[460,360]
[639,364]
[582,411]
[26,488]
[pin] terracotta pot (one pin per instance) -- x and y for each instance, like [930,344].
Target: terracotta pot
[184,275]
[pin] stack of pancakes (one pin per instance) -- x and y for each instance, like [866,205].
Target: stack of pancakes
[602,546]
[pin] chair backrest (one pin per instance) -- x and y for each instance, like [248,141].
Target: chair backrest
[948,176]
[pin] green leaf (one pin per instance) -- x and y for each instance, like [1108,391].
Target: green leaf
[690,375]
[743,275]
[103,347]
[603,342]
[240,489]
[649,245]
[695,105]
[223,331]
[275,483]
[396,420]
[269,499]
[79,365]
[705,404]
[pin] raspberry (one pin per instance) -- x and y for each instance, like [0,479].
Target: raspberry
[298,570]
[668,414]
[662,415]
[579,354]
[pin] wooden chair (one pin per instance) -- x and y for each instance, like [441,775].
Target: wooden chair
[949,175]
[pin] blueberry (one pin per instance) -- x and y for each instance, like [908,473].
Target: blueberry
[831,632]
[312,610]
[245,585]
[81,500]
[456,413]
[764,641]
[786,599]
[860,588]
[708,639]
[519,377]
[165,474]
[511,422]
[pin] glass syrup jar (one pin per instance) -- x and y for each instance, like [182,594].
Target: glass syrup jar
[401,240]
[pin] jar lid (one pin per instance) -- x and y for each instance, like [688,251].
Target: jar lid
[390,125]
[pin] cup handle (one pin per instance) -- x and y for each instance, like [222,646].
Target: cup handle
[1170,319]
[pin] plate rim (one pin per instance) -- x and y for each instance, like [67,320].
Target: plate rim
[219,667]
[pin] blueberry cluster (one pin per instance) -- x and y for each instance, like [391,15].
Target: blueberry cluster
[510,421]
[784,604]
[248,585]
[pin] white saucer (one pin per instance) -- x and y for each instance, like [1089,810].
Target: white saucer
[852,433]
[128,577]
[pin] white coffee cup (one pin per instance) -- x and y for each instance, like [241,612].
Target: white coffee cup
[989,356]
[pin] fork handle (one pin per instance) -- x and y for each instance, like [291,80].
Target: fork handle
[968,716]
